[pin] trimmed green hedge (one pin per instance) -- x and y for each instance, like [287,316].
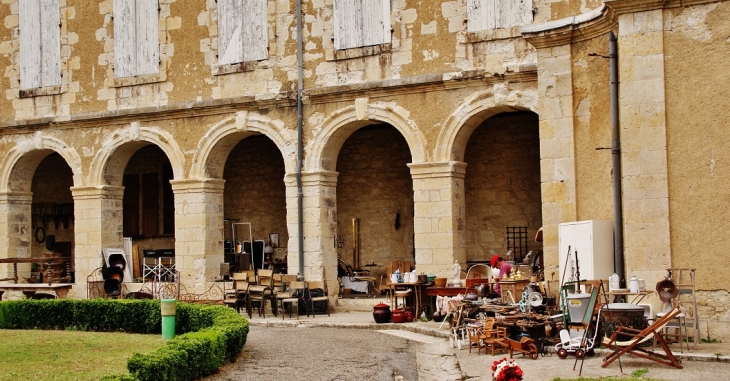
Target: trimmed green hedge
[206,336]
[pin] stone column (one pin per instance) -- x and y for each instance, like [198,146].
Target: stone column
[319,191]
[642,107]
[98,213]
[198,232]
[15,229]
[557,142]
[439,216]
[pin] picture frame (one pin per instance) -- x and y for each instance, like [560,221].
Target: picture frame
[274,240]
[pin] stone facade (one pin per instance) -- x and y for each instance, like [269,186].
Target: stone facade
[452,133]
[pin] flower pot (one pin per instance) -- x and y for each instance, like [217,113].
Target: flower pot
[398,316]
[409,316]
[381,313]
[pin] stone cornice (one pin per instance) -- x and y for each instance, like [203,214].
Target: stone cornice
[419,84]
[97,192]
[633,6]
[438,169]
[16,197]
[411,85]
[198,186]
[570,30]
[314,178]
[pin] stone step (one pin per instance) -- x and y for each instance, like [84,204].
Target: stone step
[358,304]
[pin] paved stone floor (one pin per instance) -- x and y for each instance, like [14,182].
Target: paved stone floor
[350,346]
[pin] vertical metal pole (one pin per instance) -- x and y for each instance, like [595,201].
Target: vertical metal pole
[300,148]
[618,230]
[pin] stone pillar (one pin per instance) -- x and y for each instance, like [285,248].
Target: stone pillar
[198,232]
[642,107]
[439,216]
[98,213]
[16,230]
[319,191]
[557,143]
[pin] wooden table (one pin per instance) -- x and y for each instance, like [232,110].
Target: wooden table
[29,289]
[417,291]
[48,261]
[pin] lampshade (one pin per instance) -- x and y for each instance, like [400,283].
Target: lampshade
[268,249]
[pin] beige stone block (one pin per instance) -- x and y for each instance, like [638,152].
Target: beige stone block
[649,21]
[172,23]
[647,67]
[653,162]
[11,21]
[632,210]
[6,47]
[422,225]
[401,58]
[640,45]
[554,192]
[645,187]
[630,162]
[446,225]
[643,91]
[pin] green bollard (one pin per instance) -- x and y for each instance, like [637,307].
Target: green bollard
[167,308]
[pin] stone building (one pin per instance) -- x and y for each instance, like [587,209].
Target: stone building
[427,129]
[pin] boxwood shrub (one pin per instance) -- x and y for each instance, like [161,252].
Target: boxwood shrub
[206,335]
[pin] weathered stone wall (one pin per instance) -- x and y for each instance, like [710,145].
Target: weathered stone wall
[697,139]
[52,183]
[502,184]
[374,185]
[254,172]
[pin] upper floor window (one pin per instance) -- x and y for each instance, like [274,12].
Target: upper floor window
[242,31]
[40,43]
[361,23]
[497,14]
[136,41]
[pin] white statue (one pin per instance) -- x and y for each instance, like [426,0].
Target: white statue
[456,274]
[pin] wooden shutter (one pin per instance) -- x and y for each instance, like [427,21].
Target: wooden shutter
[361,23]
[494,14]
[125,62]
[148,40]
[150,204]
[50,43]
[130,203]
[255,33]
[40,43]
[136,39]
[230,45]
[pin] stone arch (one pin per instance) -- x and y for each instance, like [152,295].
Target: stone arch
[476,108]
[107,167]
[325,146]
[19,164]
[215,146]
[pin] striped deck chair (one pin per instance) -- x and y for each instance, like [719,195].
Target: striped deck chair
[640,336]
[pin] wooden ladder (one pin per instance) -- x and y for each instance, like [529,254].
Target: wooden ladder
[684,280]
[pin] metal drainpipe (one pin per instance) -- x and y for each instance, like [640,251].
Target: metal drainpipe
[618,230]
[300,147]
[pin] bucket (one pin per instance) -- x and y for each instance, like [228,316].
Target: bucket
[439,282]
[577,306]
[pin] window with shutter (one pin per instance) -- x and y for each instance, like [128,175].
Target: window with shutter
[361,23]
[136,41]
[242,31]
[40,43]
[497,14]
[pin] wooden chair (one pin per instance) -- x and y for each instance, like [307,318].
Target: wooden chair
[238,295]
[494,338]
[286,290]
[315,284]
[654,331]
[296,294]
[261,292]
[474,336]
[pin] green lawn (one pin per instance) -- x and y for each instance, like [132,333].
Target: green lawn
[69,355]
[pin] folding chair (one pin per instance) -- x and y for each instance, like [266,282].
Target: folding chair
[638,337]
